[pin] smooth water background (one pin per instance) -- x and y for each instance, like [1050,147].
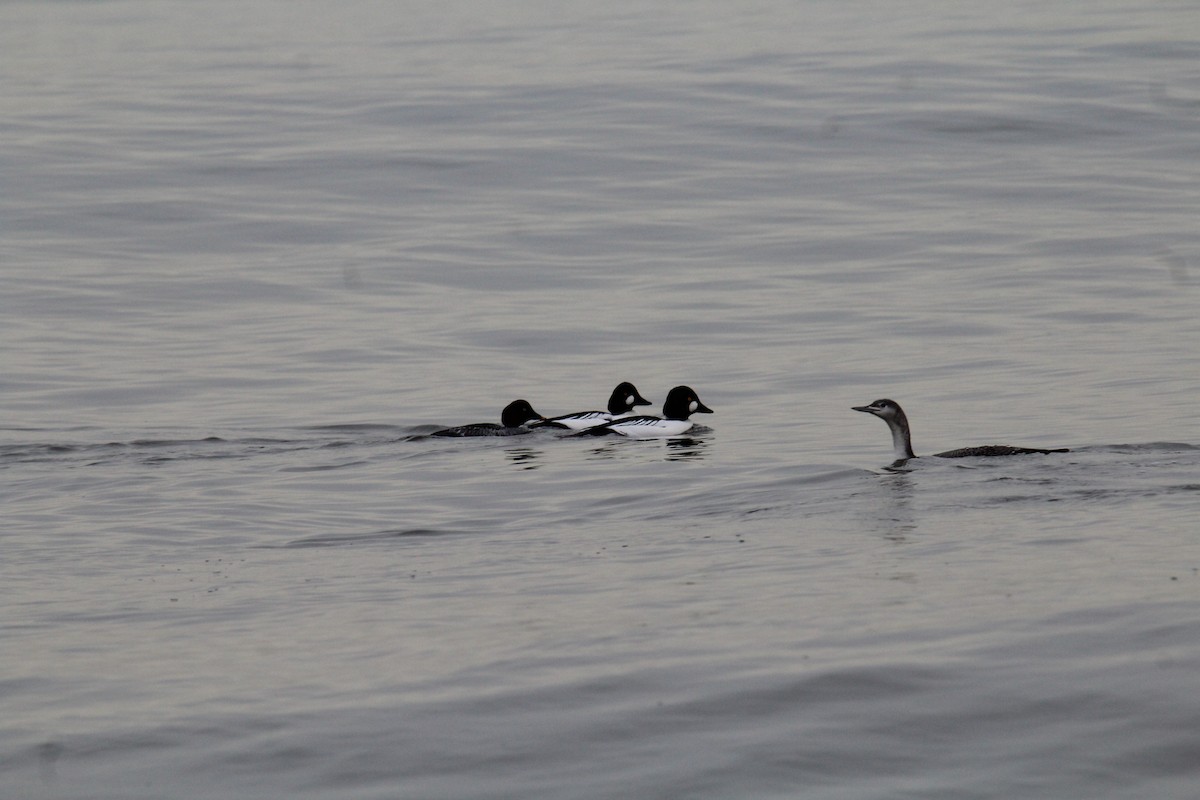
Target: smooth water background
[250,252]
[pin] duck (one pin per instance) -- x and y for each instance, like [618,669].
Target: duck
[620,404]
[897,421]
[513,421]
[681,403]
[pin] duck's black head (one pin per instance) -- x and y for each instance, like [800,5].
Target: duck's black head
[517,413]
[682,402]
[624,398]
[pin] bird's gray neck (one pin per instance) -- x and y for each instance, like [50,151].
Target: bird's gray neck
[901,438]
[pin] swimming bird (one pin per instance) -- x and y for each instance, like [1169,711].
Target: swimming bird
[890,412]
[681,403]
[620,404]
[512,423]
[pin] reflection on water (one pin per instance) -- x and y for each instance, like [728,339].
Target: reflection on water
[48,754]
[685,449]
[898,521]
[887,506]
[526,457]
[673,449]
[1177,264]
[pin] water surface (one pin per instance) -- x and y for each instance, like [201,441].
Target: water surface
[254,253]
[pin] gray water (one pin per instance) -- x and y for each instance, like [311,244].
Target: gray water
[251,253]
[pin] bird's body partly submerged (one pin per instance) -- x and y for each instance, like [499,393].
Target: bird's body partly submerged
[620,404]
[512,423]
[890,412]
[680,404]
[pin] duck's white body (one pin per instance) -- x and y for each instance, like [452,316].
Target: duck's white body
[641,427]
[620,405]
[681,403]
[583,420]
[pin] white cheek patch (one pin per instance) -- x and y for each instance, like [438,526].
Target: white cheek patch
[693,406]
[629,400]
